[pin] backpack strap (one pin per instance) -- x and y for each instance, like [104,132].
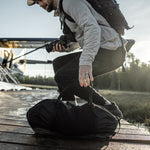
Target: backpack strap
[62,10]
[66,30]
[124,49]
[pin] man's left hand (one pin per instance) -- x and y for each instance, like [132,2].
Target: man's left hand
[85,75]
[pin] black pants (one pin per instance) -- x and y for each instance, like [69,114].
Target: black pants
[66,70]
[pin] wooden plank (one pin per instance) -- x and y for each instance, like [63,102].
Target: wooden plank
[24,120]
[29,140]
[14,122]
[131,138]
[10,117]
[131,126]
[5,120]
[111,146]
[128,128]
[132,129]
[26,129]
[135,132]
[13,146]
[25,124]
[16,129]
[117,138]
[125,128]
[12,127]
[127,146]
[54,143]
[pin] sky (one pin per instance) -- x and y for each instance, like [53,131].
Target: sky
[19,20]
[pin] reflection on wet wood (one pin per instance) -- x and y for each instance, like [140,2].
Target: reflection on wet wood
[15,132]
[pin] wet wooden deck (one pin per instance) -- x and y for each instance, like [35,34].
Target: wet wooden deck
[15,133]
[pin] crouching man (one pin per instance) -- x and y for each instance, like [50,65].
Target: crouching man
[102,50]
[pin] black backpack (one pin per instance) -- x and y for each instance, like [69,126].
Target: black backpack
[55,118]
[109,9]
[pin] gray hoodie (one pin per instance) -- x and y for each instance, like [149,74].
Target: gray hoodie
[92,31]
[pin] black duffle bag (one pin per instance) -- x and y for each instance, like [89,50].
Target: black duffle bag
[57,118]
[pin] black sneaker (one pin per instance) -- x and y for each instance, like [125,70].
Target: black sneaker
[114,109]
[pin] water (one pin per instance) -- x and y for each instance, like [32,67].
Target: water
[16,103]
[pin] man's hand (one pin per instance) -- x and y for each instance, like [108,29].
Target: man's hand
[58,47]
[85,75]
[55,46]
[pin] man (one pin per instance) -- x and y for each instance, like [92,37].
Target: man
[102,51]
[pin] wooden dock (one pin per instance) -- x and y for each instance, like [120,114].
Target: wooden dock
[16,134]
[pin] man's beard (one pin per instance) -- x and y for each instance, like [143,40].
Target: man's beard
[50,7]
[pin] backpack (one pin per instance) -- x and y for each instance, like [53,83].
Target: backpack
[109,9]
[56,118]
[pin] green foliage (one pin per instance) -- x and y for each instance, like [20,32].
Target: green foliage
[136,77]
[147,122]
[134,105]
[38,80]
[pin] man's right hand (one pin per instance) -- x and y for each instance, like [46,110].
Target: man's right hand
[55,46]
[58,47]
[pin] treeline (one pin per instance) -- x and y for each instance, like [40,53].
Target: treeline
[136,77]
[38,80]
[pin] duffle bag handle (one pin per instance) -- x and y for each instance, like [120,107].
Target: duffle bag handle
[91,94]
[90,102]
[64,90]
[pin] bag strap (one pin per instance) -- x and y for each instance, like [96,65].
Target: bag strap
[62,10]
[91,94]
[124,49]
[118,128]
[90,102]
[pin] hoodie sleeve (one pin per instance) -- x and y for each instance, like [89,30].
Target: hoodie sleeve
[80,12]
